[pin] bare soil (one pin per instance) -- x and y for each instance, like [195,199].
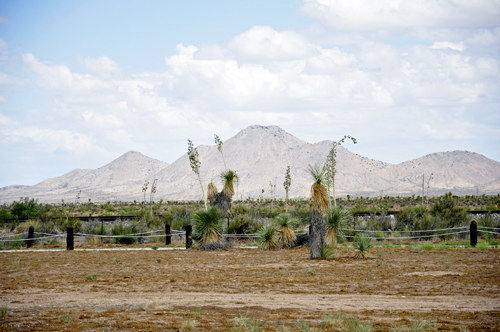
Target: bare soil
[166,290]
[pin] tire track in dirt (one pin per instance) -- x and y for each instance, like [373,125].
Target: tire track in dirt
[271,301]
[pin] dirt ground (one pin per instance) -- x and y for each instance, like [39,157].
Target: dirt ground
[171,290]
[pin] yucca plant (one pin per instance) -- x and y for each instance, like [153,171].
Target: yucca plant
[268,238]
[338,218]
[229,177]
[320,210]
[362,243]
[223,199]
[284,226]
[327,251]
[211,192]
[207,226]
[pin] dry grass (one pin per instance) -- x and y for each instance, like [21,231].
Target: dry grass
[320,198]
[331,237]
[211,192]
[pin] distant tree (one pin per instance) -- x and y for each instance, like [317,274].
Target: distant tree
[25,208]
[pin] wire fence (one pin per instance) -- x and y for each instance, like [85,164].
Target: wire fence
[395,235]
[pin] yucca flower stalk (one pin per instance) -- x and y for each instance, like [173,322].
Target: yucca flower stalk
[330,166]
[207,226]
[268,238]
[320,210]
[219,147]
[338,218]
[287,184]
[284,226]
[195,166]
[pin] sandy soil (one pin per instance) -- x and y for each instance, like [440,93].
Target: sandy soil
[167,290]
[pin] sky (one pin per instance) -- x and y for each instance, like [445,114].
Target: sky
[83,82]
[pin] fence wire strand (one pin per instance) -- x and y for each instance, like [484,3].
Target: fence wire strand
[410,237]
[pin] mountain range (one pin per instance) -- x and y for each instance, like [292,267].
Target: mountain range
[260,156]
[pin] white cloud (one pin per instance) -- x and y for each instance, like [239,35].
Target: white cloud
[489,39]
[50,140]
[265,43]
[443,45]
[262,76]
[327,74]
[396,14]
[103,66]
[5,121]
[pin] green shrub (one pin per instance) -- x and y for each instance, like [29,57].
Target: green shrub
[268,238]
[427,246]
[241,224]
[327,252]
[362,243]
[124,228]
[63,224]
[272,214]
[353,324]
[447,209]
[207,226]
[5,310]
[483,246]
[241,209]
[379,235]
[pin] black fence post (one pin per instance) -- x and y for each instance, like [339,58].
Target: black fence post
[31,234]
[473,233]
[70,239]
[189,241]
[167,234]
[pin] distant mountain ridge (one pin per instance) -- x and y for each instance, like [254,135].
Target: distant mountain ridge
[260,155]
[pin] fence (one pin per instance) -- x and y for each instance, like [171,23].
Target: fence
[134,217]
[473,229]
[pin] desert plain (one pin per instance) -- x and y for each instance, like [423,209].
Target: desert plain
[451,289]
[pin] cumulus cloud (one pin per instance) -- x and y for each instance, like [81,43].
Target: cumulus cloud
[103,65]
[265,43]
[264,76]
[397,14]
[443,45]
[50,140]
[327,74]
[486,39]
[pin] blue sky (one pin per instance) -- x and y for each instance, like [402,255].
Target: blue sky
[82,82]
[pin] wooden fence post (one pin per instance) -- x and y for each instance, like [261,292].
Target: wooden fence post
[189,241]
[31,234]
[167,234]
[70,239]
[473,233]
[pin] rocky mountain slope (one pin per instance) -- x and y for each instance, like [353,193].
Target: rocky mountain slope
[260,155]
